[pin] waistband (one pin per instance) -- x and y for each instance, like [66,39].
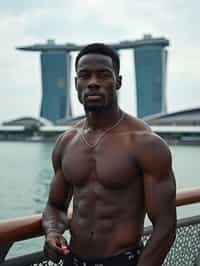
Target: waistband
[128,257]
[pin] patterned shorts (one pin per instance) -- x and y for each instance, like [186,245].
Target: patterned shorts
[127,258]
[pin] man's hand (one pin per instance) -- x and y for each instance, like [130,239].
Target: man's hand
[55,247]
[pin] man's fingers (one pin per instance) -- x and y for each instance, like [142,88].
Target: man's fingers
[57,245]
[56,248]
[51,254]
[63,245]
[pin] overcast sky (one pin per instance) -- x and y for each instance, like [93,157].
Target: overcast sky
[85,21]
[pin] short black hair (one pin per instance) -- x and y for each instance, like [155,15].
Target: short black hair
[100,48]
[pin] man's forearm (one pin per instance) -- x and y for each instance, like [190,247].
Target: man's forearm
[54,220]
[157,247]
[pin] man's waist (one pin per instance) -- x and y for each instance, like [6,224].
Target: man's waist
[123,258]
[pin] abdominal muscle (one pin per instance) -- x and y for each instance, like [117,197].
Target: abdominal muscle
[105,226]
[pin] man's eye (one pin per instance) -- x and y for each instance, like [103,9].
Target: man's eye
[83,75]
[105,74]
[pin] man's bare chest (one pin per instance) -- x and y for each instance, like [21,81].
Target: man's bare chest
[112,164]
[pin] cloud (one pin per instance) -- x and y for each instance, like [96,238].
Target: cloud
[81,22]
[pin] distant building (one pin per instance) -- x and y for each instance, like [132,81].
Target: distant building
[24,129]
[55,68]
[70,121]
[150,68]
[188,117]
[28,121]
[55,75]
[182,127]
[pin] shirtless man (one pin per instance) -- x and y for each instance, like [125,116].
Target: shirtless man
[116,170]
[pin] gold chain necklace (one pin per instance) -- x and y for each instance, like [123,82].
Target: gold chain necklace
[102,135]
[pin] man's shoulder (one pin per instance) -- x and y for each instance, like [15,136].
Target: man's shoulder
[65,138]
[151,142]
[138,126]
[145,139]
[153,151]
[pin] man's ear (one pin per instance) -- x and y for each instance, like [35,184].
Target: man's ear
[119,82]
[75,82]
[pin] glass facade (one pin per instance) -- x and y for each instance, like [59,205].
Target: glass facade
[55,72]
[150,68]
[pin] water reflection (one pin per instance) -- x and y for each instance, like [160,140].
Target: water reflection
[41,189]
[43,178]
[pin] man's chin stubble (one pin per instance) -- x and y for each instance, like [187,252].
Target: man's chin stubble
[95,109]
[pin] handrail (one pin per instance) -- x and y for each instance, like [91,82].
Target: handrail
[187,196]
[22,228]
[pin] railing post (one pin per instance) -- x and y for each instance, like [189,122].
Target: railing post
[197,262]
[4,250]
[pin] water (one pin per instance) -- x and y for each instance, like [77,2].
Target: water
[26,173]
[25,176]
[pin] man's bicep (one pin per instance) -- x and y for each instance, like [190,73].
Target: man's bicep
[160,197]
[60,191]
[159,181]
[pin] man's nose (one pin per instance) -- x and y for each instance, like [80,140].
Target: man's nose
[93,82]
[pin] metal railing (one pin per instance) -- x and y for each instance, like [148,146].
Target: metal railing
[184,252]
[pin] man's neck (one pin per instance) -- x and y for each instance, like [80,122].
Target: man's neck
[102,120]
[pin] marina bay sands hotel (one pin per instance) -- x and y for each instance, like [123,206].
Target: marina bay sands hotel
[150,59]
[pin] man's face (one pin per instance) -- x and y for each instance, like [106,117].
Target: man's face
[96,82]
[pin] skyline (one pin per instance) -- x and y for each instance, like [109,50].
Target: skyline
[24,24]
[148,54]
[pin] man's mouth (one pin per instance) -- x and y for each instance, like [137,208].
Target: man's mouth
[93,97]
